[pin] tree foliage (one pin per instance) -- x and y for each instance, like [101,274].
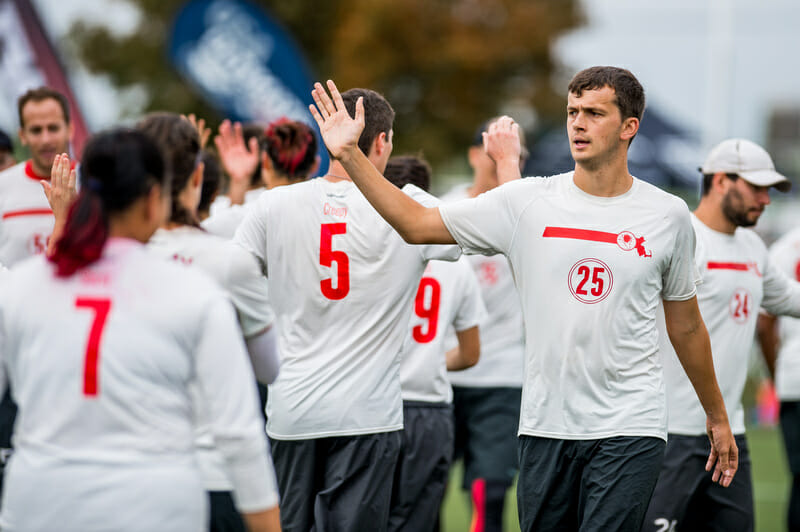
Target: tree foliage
[445,65]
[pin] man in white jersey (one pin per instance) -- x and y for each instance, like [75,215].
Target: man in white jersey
[342,282]
[780,343]
[738,278]
[448,298]
[486,397]
[593,252]
[26,219]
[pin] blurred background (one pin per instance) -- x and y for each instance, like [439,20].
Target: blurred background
[711,70]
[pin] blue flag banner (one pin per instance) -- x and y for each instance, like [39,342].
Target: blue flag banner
[243,62]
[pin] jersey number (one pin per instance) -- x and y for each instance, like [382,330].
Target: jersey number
[327,257]
[597,281]
[429,312]
[100,308]
[741,305]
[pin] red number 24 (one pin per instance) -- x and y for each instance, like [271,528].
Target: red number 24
[101,308]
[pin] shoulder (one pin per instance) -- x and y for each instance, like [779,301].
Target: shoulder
[790,240]
[671,205]
[12,174]
[751,239]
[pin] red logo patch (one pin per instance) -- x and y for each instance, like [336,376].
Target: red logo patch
[590,281]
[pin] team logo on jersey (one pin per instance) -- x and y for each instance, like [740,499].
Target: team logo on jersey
[625,240]
[735,266]
[740,305]
[487,273]
[590,281]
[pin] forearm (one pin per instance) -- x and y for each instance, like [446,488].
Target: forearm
[767,334]
[264,521]
[508,170]
[416,223]
[468,351]
[263,350]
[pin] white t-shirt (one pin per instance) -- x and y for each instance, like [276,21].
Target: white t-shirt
[224,222]
[448,296]
[221,203]
[102,365]
[785,254]
[737,277]
[237,272]
[26,219]
[590,272]
[341,281]
[502,331]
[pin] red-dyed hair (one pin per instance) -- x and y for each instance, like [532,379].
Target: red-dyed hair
[119,166]
[292,148]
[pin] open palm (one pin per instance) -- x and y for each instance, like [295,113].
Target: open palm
[339,130]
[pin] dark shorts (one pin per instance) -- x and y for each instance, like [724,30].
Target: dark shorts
[790,427]
[685,498]
[421,474]
[8,413]
[223,515]
[586,485]
[336,484]
[486,421]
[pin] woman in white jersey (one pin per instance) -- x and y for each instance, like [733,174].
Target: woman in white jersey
[110,353]
[181,239]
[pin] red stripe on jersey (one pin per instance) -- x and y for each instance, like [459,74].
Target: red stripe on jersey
[580,234]
[31,173]
[26,212]
[738,266]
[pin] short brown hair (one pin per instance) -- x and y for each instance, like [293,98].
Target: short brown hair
[404,169]
[40,94]
[629,92]
[378,115]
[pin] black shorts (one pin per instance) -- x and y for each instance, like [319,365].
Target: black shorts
[421,475]
[486,421]
[586,485]
[790,427]
[685,498]
[223,515]
[342,483]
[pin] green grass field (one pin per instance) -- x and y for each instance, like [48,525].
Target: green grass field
[770,479]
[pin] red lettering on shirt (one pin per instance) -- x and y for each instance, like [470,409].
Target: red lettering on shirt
[735,266]
[339,212]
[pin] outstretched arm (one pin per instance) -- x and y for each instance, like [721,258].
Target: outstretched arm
[60,192]
[414,222]
[689,337]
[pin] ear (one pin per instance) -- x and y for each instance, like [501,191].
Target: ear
[474,154]
[266,162]
[630,126]
[379,145]
[22,139]
[154,210]
[718,181]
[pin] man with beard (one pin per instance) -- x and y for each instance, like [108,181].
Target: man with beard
[738,278]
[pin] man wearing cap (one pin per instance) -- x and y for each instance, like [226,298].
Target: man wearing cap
[6,152]
[738,278]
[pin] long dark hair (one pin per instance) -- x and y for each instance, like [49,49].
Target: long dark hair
[119,167]
[180,143]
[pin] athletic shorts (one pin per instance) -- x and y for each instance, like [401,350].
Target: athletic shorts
[790,426]
[223,515]
[423,467]
[342,483]
[486,421]
[586,485]
[685,498]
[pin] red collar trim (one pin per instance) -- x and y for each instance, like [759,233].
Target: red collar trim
[29,171]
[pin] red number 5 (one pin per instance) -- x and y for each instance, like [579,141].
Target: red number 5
[327,257]
[100,308]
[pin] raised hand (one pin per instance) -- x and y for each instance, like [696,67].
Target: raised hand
[502,140]
[240,160]
[339,130]
[200,125]
[61,190]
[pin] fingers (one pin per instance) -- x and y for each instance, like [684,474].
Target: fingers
[319,95]
[337,98]
[359,107]
[47,189]
[253,145]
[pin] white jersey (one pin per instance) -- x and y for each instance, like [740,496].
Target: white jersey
[737,277]
[102,365]
[341,282]
[785,254]
[222,203]
[448,296]
[224,222]
[591,272]
[502,331]
[26,219]
[237,272]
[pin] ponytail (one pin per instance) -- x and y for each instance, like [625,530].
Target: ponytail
[85,235]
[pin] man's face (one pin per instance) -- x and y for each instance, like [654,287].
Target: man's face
[743,203]
[45,131]
[594,126]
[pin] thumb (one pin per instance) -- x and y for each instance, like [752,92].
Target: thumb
[253,145]
[47,188]
[360,109]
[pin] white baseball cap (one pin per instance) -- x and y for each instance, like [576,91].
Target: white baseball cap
[748,160]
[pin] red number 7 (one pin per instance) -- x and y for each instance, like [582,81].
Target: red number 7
[100,308]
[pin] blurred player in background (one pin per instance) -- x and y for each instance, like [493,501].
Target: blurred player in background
[738,278]
[486,398]
[448,298]
[7,159]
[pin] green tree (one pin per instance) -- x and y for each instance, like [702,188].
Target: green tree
[446,65]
